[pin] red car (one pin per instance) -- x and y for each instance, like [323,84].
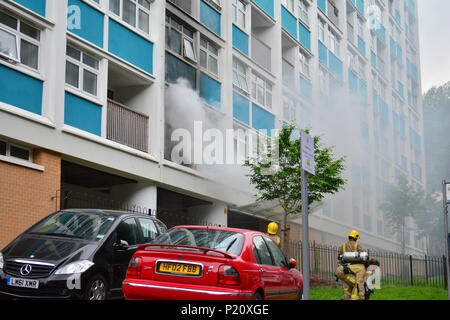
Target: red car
[202,263]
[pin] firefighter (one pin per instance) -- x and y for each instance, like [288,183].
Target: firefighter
[272,230]
[352,275]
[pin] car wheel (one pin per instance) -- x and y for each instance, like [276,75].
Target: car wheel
[258,296]
[96,289]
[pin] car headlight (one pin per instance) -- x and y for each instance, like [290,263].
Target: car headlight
[75,267]
[1,261]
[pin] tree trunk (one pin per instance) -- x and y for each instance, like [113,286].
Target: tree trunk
[284,243]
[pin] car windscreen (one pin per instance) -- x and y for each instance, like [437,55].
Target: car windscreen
[222,240]
[81,225]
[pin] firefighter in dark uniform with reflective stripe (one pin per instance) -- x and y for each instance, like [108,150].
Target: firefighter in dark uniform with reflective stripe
[352,275]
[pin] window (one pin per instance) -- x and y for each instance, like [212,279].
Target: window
[82,70]
[303,11]
[321,31]
[239,13]
[240,75]
[148,228]
[304,64]
[288,74]
[289,4]
[323,81]
[180,39]
[128,231]
[334,43]
[186,5]
[134,12]
[11,150]
[278,256]
[261,251]
[289,110]
[19,41]
[261,91]
[209,56]
[2,148]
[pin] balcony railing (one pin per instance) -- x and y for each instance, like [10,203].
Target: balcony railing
[127,126]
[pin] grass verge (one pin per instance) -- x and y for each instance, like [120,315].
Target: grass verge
[385,293]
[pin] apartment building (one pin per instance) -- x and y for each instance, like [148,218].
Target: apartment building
[85,115]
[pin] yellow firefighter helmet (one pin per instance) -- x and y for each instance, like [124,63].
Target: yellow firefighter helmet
[354,234]
[272,228]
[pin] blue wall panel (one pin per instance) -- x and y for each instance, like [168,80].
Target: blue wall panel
[363,91]
[305,36]
[241,108]
[267,6]
[305,88]
[323,54]
[335,65]
[129,46]
[240,40]
[82,114]
[360,6]
[262,120]
[37,6]
[210,17]
[352,81]
[322,4]
[289,22]
[361,46]
[20,90]
[210,90]
[91,22]
[373,59]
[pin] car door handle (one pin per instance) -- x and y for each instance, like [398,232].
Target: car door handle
[263,270]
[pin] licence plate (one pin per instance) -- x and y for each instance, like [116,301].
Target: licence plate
[179,268]
[23,283]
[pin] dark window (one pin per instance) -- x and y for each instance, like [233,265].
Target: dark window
[149,231]
[175,69]
[277,255]
[261,251]
[161,226]
[2,148]
[19,153]
[128,231]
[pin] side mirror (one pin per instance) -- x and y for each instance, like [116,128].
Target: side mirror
[121,246]
[292,263]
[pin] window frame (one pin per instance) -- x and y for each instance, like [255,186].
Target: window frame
[8,151]
[303,11]
[183,38]
[289,5]
[304,64]
[82,67]
[254,85]
[19,37]
[138,7]
[237,10]
[240,75]
[209,54]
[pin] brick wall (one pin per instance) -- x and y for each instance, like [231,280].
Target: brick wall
[26,194]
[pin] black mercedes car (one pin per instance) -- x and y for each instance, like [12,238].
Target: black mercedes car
[74,254]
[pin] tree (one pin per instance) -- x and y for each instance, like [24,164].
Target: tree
[402,201]
[436,112]
[284,184]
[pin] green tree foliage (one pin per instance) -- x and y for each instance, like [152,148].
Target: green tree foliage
[284,184]
[436,112]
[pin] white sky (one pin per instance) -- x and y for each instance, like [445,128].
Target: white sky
[434,37]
